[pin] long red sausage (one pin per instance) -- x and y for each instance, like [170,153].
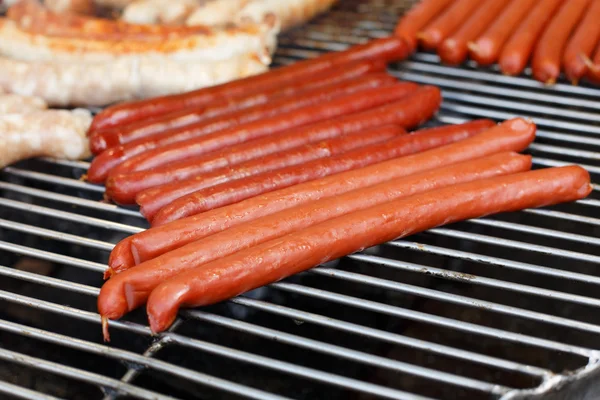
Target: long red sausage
[385,49]
[513,135]
[186,116]
[517,50]
[447,23]
[547,56]
[417,18]
[257,119]
[486,49]
[453,50]
[241,189]
[131,288]
[582,43]
[101,141]
[593,73]
[183,143]
[152,200]
[409,112]
[279,258]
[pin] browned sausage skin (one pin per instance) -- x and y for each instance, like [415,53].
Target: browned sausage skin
[131,288]
[279,258]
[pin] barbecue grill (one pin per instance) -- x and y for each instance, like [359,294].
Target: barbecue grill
[501,307]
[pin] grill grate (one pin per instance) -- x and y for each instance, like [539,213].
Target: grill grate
[502,307]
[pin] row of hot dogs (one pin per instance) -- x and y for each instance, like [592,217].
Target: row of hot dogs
[263,188]
[554,34]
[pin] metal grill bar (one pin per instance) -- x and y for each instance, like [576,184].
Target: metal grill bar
[53,179]
[300,315]
[455,299]
[23,393]
[254,359]
[504,263]
[72,200]
[49,212]
[73,373]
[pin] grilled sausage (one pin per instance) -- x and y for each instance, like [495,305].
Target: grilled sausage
[513,135]
[447,23]
[279,258]
[184,142]
[103,140]
[152,200]
[486,49]
[187,116]
[131,288]
[547,56]
[416,108]
[385,49]
[582,43]
[241,189]
[44,133]
[517,50]
[453,50]
[417,18]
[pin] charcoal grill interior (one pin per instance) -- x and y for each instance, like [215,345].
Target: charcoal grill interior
[500,307]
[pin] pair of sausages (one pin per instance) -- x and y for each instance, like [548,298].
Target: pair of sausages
[196,156]
[512,135]
[385,49]
[548,54]
[228,114]
[307,108]
[279,258]
[131,289]
[453,50]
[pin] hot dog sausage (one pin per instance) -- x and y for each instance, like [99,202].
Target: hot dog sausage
[486,49]
[385,49]
[517,50]
[513,135]
[187,116]
[103,140]
[453,50]
[547,56]
[593,73]
[447,23]
[123,188]
[580,46]
[279,258]
[184,142]
[241,189]
[113,303]
[152,200]
[417,17]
